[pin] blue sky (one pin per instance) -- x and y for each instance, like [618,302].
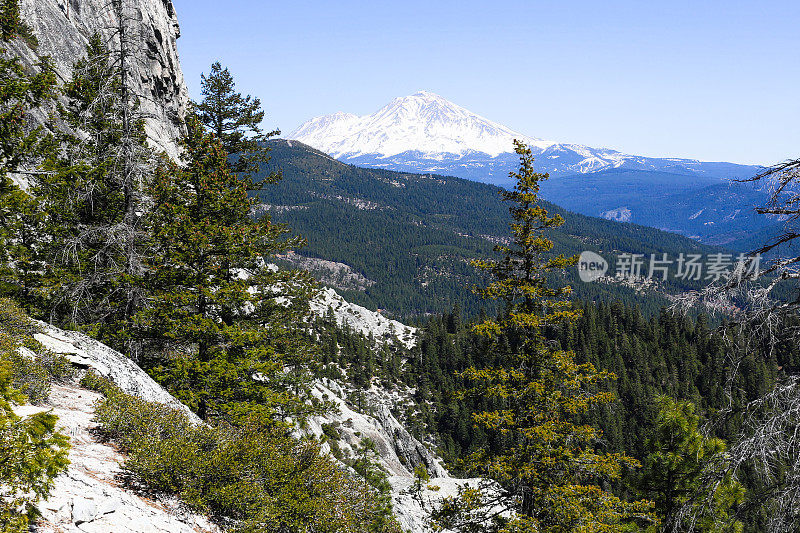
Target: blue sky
[713,80]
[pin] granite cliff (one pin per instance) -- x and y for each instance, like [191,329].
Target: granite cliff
[63,28]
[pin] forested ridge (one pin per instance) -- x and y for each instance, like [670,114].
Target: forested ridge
[668,355]
[575,407]
[415,235]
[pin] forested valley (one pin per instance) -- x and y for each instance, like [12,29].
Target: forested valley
[571,407]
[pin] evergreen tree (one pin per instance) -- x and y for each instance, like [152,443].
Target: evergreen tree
[227,327]
[672,476]
[22,146]
[11,23]
[93,197]
[23,257]
[32,452]
[235,120]
[550,473]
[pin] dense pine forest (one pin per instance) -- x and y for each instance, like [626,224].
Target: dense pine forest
[572,407]
[415,235]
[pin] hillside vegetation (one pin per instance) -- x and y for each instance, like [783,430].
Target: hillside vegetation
[415,234]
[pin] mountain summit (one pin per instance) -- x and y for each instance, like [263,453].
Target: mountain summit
[423,122]
[425,132]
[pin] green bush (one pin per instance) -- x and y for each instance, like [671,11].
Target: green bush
[30,375]
[256,475]
[97,383]
[32,453]
[331,431]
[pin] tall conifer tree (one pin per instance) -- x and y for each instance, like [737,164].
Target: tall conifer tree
[22,146]
[679,458]
[549,472]
[93,196]
[236,122]
[228,326]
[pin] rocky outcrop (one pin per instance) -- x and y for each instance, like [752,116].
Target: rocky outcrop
[86,353]
[90,496]
[361,320]
[398,451]
[64,26]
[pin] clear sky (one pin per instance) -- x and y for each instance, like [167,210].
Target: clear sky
[714,80]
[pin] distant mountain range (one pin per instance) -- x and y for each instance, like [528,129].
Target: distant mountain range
[403,242]
[425,132]
[707,209]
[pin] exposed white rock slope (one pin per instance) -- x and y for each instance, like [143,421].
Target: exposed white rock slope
[399,453]
[362,320]
[89,496]
[85,352]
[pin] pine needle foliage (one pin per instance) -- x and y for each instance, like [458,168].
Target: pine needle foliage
[92,194]
[550,473]
[680,459]
[22,145]
[224,327]
[255,477]
[235,120]
[11,24]
[32,452]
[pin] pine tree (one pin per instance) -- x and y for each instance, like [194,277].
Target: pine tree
[22,146]
[24,259]
[679,456]
[32,452]
[93,197]
[227,326]
[235,120]
[551,475]
[11,23]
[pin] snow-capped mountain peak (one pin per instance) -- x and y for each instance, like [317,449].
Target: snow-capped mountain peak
[422,122]
[425,132]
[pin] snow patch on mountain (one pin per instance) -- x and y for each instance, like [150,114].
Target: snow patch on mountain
[424,132]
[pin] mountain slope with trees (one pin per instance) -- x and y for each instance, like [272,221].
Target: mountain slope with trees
[415,234]
[161,259]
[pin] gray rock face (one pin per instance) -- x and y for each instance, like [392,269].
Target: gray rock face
[63,28]
[398,451]
[85,352]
